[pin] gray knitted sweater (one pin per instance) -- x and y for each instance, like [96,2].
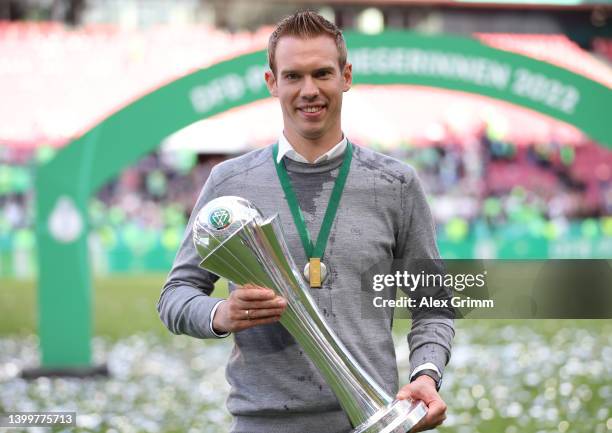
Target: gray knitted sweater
[382,214]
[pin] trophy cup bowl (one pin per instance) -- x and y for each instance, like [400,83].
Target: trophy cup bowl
[235,242]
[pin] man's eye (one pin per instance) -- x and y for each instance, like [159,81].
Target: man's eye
[291,76]
[322,74]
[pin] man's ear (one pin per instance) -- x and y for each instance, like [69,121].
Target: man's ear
[271,83]
[347,75]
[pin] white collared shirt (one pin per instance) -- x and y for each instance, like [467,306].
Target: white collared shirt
[286,149]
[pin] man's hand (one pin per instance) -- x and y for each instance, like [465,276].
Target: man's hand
[424,388]
[248,306]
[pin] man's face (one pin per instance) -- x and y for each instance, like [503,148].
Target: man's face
[309,85]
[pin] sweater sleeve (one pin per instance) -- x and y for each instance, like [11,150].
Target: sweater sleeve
[185,304]
[431,335]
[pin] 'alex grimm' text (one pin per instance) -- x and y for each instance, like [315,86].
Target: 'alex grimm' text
[423,281]
[430,302]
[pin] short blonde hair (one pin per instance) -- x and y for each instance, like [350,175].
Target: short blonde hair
[306,24]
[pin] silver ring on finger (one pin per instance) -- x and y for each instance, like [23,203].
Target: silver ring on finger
[248,315]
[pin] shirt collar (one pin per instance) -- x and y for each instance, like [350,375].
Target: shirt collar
[286,149]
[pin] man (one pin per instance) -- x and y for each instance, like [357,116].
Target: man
[379,212]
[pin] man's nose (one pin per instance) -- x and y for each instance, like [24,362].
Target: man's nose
[310,89]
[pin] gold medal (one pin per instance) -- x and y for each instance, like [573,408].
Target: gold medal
[315,272]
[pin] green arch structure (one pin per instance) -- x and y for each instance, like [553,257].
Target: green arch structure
[65,184]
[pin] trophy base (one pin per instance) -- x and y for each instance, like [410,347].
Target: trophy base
[399,417]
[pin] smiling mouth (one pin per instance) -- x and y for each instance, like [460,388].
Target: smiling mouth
[312,109]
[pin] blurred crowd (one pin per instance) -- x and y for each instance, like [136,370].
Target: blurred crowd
[470,179]
[480,178]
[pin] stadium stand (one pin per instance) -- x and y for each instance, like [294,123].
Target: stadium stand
[482,185]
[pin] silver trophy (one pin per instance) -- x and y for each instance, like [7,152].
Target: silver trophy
[235,242]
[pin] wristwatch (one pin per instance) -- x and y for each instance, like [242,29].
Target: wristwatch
[431,373]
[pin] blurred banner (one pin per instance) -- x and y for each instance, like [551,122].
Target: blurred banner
[131,249]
